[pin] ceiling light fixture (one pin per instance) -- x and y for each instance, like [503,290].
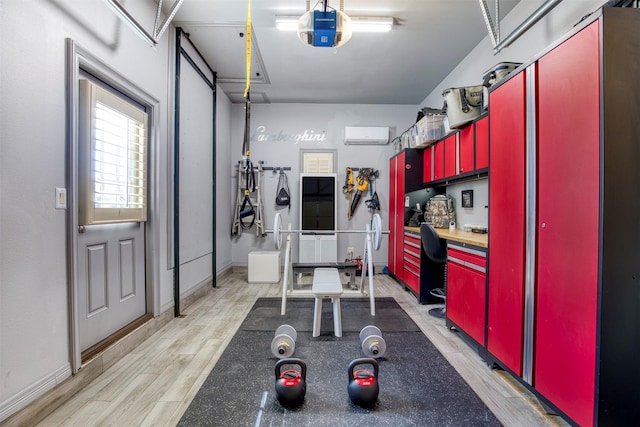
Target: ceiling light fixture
[359,24]
[328,27]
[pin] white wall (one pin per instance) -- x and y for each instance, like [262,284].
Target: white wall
[34,327]
[478,214]
[223,181]
[544,33]
[294,119]
[34,312]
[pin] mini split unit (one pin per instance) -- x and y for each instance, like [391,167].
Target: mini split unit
[366,135]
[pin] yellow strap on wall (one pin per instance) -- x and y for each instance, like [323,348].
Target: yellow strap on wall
[248,59]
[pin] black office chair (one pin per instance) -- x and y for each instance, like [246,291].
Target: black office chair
[434,266]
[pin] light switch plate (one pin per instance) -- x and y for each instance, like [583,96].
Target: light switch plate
[61,198]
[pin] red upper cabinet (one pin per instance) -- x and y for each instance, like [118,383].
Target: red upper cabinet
[438,160]
[482,143]
[455,155]
[427,164]
[507,223]
[467,136]
[450,152]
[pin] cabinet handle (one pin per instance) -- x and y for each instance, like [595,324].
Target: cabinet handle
[543,225]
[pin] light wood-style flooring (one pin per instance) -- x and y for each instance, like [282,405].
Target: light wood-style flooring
[154,384]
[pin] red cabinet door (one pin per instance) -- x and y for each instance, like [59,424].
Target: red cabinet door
[399,218]
[467,136]
[474,303]
[438,160]
[450,155]
[455,293]
[507,223]
[427,164]
[466,292]
[482,143]
[393,196]
[568,224]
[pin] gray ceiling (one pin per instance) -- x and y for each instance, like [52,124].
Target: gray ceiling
[400,67]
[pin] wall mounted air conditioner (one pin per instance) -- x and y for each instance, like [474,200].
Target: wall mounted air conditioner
[366,135]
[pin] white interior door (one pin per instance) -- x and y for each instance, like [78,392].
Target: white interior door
[112,204]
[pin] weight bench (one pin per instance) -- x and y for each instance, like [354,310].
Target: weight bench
[326,284]
[348,266]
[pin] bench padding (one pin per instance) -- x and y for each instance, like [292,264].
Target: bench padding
[326,284]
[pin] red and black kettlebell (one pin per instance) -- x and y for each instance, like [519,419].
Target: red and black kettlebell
[363,385]
[291,384]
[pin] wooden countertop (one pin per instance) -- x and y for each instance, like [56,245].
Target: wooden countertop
[476,239]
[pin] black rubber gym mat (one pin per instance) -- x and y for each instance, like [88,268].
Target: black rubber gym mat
[265,315]
[418,387]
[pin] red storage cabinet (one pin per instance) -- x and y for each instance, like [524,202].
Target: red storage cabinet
[467,290]
[567,225]
[507,223]
[411,255]
[421,275]
[395,205]
[580,209]
[405,175]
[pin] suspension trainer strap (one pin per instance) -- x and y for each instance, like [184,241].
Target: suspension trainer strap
[246,150]
[247,209]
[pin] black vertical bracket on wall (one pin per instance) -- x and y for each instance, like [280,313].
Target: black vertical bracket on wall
[179,54]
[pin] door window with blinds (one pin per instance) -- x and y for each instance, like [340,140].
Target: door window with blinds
[318,161]
[112,157]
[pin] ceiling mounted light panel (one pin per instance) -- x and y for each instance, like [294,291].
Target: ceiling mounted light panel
[367,24]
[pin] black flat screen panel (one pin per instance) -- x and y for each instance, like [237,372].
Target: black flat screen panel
[318,203]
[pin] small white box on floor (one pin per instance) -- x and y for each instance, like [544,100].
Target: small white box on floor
[264,267]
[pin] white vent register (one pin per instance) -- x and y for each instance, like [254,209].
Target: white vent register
[366,135]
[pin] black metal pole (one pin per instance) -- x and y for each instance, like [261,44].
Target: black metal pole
[176,179]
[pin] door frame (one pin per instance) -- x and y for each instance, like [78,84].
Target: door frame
[80,58]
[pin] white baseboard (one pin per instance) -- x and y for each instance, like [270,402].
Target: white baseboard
[31,393]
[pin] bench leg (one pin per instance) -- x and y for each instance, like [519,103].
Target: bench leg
[369,261]
[317,317]
[287,276]
[337,318]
